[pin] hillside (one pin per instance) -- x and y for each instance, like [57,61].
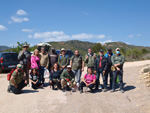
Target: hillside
[115,45]
[3,48]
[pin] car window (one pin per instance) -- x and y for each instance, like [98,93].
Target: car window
[10,56]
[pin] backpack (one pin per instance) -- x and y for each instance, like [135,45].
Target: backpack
[10,74]
[65,56]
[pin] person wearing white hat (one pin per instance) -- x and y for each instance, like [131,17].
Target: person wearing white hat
[24,59]
[63,59]
[117,62]
[17,81]
[68,79]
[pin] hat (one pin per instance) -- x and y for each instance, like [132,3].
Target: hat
[19,65]
[69,66]
[117,49]
[63,49]
[109,49]
[53,48]
[101,50]
[25,45]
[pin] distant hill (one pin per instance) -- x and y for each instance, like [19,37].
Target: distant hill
[3,48]
[115,45]
[73,45]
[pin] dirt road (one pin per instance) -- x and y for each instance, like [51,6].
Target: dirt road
[136,98]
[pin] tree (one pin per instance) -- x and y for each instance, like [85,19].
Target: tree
[97,47]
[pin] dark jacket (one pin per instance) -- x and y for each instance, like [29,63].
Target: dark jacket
[104,63]
[109,59]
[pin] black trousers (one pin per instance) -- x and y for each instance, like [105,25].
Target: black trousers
[83,85]
[35,86]
[17,90]
[56,82]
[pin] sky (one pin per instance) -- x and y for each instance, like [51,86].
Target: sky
[96,21]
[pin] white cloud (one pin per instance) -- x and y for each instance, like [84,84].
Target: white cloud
[27,30]
[21,12]
[19,19]
[87,36]
[51,36]
[131,36]
[61,36]
[3,28]
[106,41]
[139,35]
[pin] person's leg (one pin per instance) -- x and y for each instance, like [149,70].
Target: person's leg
[75,73]
[111,78]
[26,71]
[34,86]
[114,80]
[82,84]
[91,86]
[63,83]
[121,79]
[54,81]
[79,72]
[15,90]
[21,85]
[105,78]
[97,79]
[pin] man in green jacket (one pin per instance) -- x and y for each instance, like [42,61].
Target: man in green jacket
[63,59]
[68,79]
[117,62]
[17,81]
[90,59]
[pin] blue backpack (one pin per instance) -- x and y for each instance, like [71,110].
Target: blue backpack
[65,56]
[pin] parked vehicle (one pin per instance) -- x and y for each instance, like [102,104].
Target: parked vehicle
[69,53]
[8,60]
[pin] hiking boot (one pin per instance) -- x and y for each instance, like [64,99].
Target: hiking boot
[81,91]
[63,90]
[113,90]
[105,89]
[9,90]
[122,91]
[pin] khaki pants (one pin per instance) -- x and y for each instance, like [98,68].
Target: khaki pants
[64,83]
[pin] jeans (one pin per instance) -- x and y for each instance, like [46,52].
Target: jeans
[83,85]
[26,71]
[42,69]
[77,74]
[17,90]
[115,73]
[100,71]
[111,76]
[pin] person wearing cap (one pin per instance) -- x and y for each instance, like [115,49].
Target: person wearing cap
[90,59]
[53,57]
[63,59]
[24,59]
[118,61]
[17,81]
[100,67]
[44,64]
[68,79]
[77,66]
[108,55]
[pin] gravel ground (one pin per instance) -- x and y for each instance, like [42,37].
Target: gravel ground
[136,98]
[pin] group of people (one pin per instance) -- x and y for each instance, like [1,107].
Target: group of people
[65,72]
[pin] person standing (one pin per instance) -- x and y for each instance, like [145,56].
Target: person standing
[77,65]
[118,61]
[68,79]
[24,59]
[35,60]
[17,81]
[63,59]
[90,59]
[108,55]
[53,57]
[100,67]
[44,64]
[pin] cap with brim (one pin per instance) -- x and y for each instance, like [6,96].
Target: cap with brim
[109,49]
[19,66]
[101,50]
[117,49]
[69,66]
[25,45]
[63,49]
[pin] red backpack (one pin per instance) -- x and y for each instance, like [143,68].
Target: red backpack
[9,74]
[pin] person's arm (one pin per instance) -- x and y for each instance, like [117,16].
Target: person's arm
[59,61]
[67,61]
[51,74]
[12,79]
[95,64]
[62,76]
[71,60]
[47,58]
[20,55]
[86,59]
[93,81]
[122,60]
[112,60]
[82,65]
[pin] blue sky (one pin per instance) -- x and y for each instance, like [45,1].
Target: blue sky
[102,21]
